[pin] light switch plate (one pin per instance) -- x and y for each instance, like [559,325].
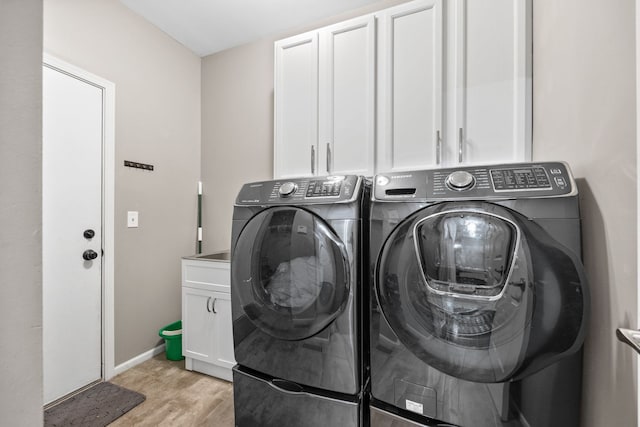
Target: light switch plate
[132,219]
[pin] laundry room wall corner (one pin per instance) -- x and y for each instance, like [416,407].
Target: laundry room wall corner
[585,114]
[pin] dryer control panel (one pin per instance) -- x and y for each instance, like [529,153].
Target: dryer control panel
[503,181]
[300,191]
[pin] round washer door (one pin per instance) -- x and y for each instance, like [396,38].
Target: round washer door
[480,292]
[291,273]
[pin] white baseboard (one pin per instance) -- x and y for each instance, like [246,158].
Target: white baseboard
[147,355]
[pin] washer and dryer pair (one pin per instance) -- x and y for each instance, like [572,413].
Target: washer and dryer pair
[446,297]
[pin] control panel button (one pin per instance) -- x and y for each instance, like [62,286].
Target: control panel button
[460,180]
[287,189]
[560,181]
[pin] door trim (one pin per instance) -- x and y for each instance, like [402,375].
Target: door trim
[637,22]
[108,204]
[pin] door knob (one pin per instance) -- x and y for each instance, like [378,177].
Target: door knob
[89,233]
[89,255]
[629,337]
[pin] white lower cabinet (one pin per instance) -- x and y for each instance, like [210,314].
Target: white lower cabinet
[207,334]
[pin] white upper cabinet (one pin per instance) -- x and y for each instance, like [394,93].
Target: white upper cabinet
[410,38]
[428,83]
[296,106]
[490,69]
[347,98]
[325,101]
[454,84]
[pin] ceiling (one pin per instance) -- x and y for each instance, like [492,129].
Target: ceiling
[209,26]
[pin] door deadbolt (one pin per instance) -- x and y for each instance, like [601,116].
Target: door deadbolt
[88,234]
[89,255]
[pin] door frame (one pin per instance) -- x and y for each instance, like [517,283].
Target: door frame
[108,205]
[637,326]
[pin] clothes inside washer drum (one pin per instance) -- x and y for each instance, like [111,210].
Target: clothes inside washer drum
[298,283]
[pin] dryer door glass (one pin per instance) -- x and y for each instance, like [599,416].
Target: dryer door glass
[290,273]
[480,292]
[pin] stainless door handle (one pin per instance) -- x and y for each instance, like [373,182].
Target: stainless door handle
[629,337]
[313,160]
[328,157]
[460,144]
[438,148]
[213,306]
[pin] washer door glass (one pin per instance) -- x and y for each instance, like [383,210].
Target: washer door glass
[290,273]
[468,253]
[480,292]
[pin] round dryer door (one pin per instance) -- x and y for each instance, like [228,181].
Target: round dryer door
[480,292]
[290,273]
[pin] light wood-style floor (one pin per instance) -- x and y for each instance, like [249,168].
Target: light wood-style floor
[175,396]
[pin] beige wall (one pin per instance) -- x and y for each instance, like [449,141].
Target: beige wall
[158,122]
[20,213]
[237,124]
[584,113]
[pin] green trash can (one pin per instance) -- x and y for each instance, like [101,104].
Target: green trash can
[172,335]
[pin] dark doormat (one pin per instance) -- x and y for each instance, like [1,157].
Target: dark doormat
[94,407]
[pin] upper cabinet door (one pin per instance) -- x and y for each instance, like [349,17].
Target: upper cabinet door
[347,97]
[296,106]
[490,65]
[410,86]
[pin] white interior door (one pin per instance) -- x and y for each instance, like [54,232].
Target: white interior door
[71,205]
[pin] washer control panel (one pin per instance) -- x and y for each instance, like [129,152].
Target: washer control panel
[503,181]
[300,190]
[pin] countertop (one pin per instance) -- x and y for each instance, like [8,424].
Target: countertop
[222,256]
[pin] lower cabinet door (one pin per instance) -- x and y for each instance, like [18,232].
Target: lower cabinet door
[223,330]
[268,402]
[197,324]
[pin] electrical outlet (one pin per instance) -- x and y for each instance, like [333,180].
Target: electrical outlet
[132,219]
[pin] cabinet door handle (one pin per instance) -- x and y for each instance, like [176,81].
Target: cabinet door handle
[328,157]
[213,306]
[313,160]
[438,148]
[460,145]
[208,299]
